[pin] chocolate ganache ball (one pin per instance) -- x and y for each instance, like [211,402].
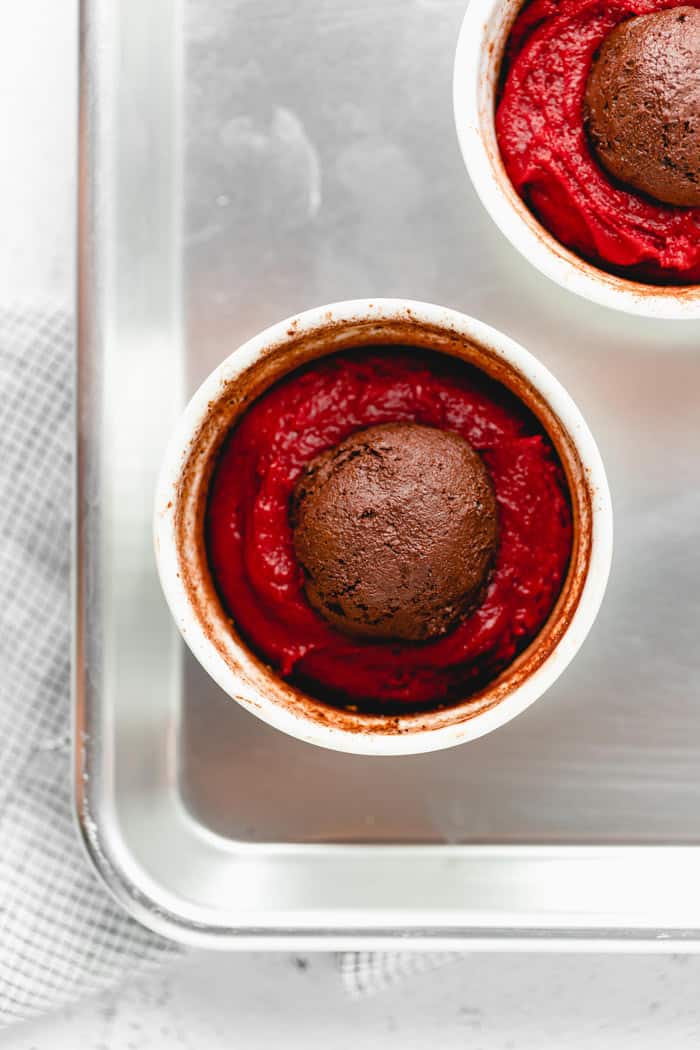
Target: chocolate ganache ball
[395,529]
[642,105]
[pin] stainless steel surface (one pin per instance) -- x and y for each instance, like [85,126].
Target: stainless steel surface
[240,162]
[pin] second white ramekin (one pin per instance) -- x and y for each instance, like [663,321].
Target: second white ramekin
[482,39]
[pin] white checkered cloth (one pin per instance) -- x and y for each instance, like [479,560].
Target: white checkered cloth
[366,973]
[61,936]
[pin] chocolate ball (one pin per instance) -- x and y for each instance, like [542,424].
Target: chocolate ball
[642,105]
[395,529]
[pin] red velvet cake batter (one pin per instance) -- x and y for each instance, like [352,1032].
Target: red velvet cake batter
[250,541]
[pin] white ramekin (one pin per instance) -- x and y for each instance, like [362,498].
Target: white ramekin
[181,502]
[484,32]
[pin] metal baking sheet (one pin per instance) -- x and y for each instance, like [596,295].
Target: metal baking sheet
[241,161]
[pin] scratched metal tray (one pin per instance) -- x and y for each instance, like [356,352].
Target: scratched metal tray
[241,161]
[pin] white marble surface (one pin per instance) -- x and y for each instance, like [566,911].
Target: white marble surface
[213,1001]
[494,1002]
[38,96]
